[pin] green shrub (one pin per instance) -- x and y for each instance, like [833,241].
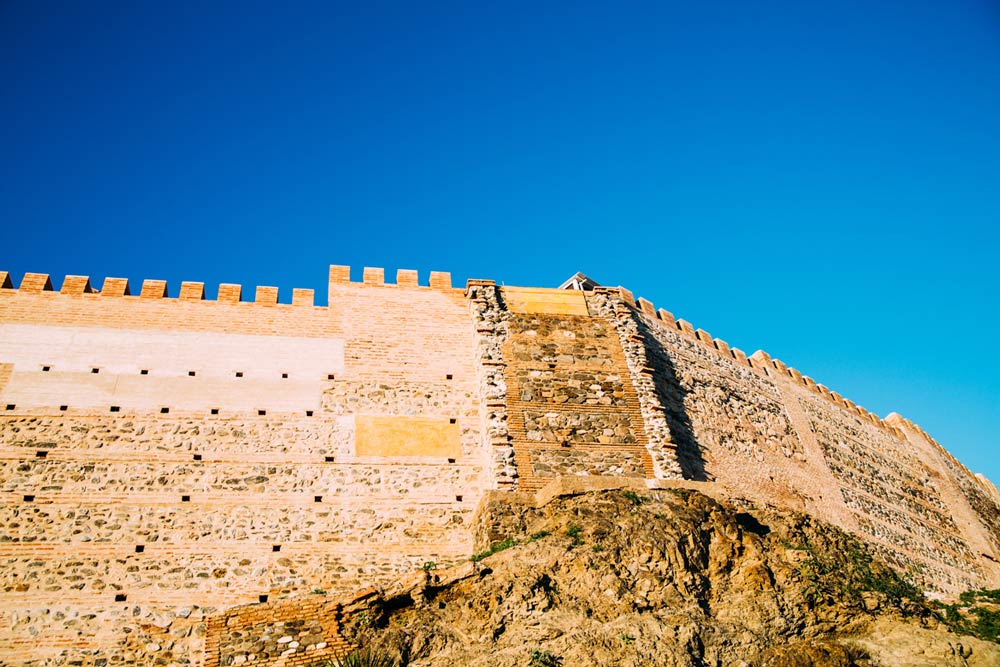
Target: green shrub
[496,548]
[544,659]
[362,658]
[845,575]
[632,496]
[573,530]
[968,617]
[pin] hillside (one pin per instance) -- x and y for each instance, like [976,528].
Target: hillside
[667,577]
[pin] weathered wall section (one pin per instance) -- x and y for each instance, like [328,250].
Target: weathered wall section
[572,408]
[162,459]
[767,433]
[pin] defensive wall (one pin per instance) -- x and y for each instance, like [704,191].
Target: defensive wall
[189,481]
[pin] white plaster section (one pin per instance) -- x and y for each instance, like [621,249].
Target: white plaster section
[169,356]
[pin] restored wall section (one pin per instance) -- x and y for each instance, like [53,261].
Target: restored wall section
[223,453]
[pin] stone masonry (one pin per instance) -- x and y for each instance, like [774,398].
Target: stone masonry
[195,482]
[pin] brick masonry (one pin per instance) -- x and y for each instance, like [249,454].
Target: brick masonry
[194,482]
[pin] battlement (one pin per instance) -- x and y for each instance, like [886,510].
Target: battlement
[760,361]
[227,293]
[340,276]
[40,283]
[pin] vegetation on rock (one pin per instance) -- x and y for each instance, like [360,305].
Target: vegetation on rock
[362,658]
[671,579]
[976,613]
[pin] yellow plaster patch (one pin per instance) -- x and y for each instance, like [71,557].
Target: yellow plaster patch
[380,435]
[545,301]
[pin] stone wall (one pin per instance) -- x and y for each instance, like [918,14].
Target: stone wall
[894,497]
[224,453]
[572,408]
[767,433]
[186,481]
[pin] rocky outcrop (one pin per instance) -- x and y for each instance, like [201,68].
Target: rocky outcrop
[665,577]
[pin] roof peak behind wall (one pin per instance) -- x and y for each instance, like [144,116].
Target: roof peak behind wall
[580,281]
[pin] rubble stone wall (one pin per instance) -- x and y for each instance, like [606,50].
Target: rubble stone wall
[572,408]
[766,433]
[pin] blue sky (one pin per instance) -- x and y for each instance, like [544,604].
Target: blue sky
[817,179]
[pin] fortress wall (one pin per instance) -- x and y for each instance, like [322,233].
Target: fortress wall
[230,452]
[727,422]
[134,499]
[972,498]
[896,495]
[765,431]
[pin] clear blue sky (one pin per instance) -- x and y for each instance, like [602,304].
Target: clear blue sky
[817,179]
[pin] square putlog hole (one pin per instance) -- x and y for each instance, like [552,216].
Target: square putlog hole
[317,499]
[139,548]
[63,408]
[214,411]
[116,408]
[121,597]
[262,598]
[197,457]
[309,413]
[11,406]
[28,498]
[46,369]
[239,374]
[164,411]
[185,499]
[144,371]
[41,454]
[276,548]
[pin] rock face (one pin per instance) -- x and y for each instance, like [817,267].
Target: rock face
[667,577]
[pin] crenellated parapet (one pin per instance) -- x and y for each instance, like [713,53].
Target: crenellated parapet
[149,290]
[340,274]
[227,293]
[760,361]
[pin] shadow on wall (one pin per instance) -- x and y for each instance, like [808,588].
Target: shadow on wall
[671,396]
